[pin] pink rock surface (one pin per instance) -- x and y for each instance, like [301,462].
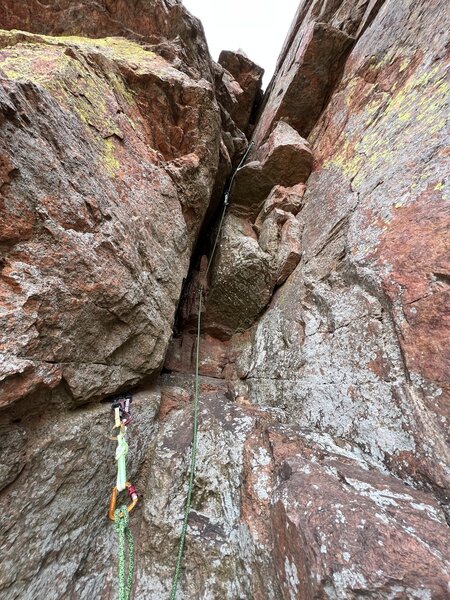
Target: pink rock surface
[249,77]
[304,80]
[322,459]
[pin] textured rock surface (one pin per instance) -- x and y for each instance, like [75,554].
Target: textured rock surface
[281,512]
[323,467]
[56,542]
[353,342]
[298,93]
[249,77]
[109,154]
[95,211]
[284,159]
[242,281]
[165,24]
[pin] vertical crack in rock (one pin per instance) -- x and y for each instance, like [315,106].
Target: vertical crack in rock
[307,314]
[323,446]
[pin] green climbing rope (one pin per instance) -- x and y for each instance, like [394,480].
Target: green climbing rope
[187,509]
[192,465]
[121,524]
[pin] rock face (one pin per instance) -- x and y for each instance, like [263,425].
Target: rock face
[299,94]
[248,76]
[285,512]
[56,542]
[95,209]
[165,24]
[351,345]
[323,460]
[366,289]
[312,60]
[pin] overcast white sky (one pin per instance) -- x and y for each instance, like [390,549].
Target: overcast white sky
[256,26]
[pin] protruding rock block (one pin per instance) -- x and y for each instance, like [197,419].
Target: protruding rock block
[242,280]
[247,269]
[248,75]
[287,199]
[285,159]
[280,236]
[289,251]
[270,230]
[305,79]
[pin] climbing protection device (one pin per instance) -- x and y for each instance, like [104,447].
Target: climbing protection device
[122,417]
[192,465]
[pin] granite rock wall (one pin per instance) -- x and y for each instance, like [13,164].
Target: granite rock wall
[323,459]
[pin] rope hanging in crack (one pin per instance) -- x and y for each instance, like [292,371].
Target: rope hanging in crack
[192,465]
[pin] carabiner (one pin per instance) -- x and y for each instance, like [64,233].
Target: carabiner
[112,503]
[122,429]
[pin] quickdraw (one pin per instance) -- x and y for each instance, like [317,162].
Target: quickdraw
[121,404]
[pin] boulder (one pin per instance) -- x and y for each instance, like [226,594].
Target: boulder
[241,282]
[248,75]
[285,159]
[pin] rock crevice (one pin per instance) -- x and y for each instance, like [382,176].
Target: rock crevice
[323,446]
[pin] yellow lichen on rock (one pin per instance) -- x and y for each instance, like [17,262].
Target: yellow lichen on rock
[407,109]
[94,96]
